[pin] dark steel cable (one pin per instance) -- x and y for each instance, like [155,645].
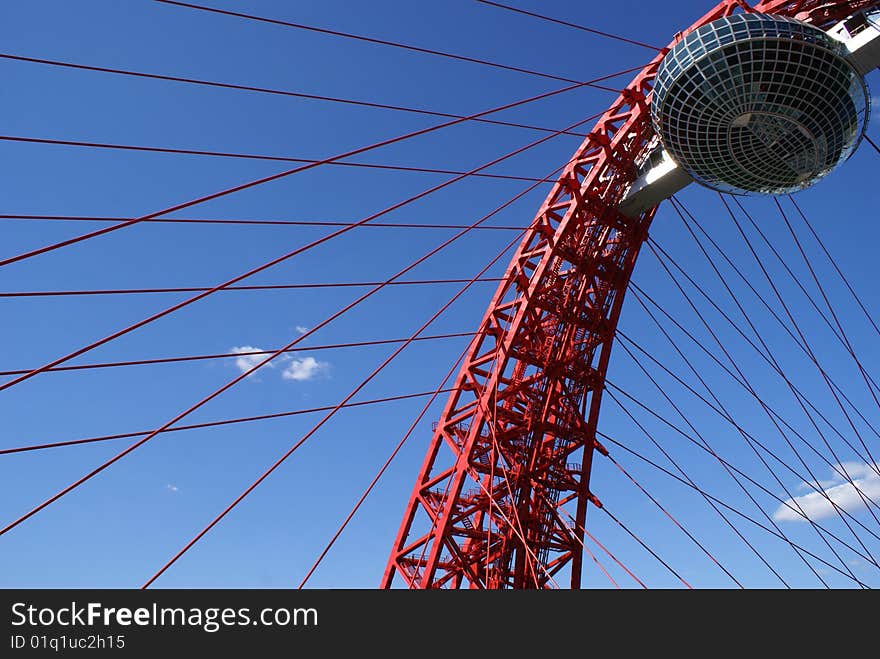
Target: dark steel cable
[292,223]
[841,467]
[372,40]
[681,470]
[678,524]
[256,287]
[213,424]
[781,323]
[582,28]
[839,332]
[646,547]
[869,381]
[745,491]
[693,441]
[834,263]
[256,156]
[233,355]
[801,399]
[765,408]
[725,413]
[611,440]
[639,292]
[733,363]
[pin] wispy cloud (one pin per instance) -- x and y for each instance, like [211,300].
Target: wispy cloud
[838,489]
[812,486]
[247,362]
[172,488]
[304,369]
[295,369]
[302,329]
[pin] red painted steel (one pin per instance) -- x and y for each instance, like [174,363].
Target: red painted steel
[515,441]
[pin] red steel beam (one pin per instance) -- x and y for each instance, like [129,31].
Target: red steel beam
[516,437]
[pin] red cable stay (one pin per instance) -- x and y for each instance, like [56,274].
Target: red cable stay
[441,388]
[280,259]
[326,418]
[278,352]
[503,495]
[289,172]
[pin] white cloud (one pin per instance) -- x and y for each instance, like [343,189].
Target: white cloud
[302,329]
[247,362]
[172,488]
[812,486]
[839,490]
[298,370]
[303,369]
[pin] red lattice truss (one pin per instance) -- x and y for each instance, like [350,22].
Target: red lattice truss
[501,499]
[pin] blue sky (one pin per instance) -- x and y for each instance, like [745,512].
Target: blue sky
[124,524]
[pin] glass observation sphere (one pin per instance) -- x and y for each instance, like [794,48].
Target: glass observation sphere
[756,103]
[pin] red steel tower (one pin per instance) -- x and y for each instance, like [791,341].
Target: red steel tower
[501,499]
